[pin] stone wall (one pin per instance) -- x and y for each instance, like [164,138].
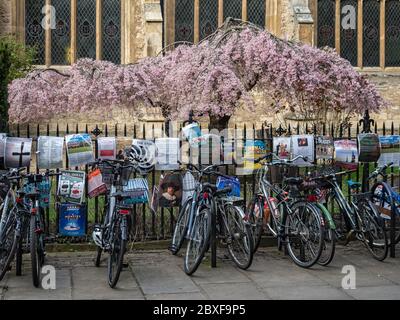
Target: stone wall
[5,17]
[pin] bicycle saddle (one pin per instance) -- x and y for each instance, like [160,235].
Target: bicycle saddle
[293,181]
[223,191]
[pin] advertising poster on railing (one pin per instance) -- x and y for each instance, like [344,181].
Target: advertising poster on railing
[168,153]
[96,186]
[71,186]
[144,154]
[282,147]
[17,152]
[324,148]
[346,154]
[107,148]
[369,147]
[253,150]
[170,191]
[50,152]
[2,145]
[303,145]
[390,150]
[72,222]
[79,149]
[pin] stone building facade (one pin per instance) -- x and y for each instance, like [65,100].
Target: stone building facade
[366,32]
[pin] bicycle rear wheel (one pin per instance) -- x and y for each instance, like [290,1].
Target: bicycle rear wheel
[372,227]
[117,251]
[199,240]
[36,255]
[8,244]
[181,227]
[239,237]
[304,234]
[255,212]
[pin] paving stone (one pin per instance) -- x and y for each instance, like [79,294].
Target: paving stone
[306,293]
[224,273]
[375,293]
[177,296]
[233,291]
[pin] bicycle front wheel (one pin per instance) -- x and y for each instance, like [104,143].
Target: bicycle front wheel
[181,227]
[255,212]
[304,234]
[199,240]
[117,251]
[239,237]
[8,244]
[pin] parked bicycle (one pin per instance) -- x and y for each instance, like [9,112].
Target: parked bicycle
[112,235]
[296,223]
[194,223]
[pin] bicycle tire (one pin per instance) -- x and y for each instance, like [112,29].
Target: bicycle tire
[116,257]
[8,254]
[371,222]
[329,246]
[292,243]
[190,266]
[18,260]
[181,228]
[242,232]
[97,262]
[256,221]
[35,259]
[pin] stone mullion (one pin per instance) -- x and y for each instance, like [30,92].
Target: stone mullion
[99,24]
[73,31]
[337,26]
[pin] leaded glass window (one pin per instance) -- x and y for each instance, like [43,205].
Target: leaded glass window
[348,31]
[34,32]
[233,9]
[371,34]
[111,20]
[256,12]
[208,17]
[326,23]
[184,20]
[86,29]
[61,35]
[392,33]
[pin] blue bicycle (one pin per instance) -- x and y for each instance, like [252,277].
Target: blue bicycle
[387,200]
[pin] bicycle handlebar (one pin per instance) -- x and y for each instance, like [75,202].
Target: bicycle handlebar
[331,175]
[380,171]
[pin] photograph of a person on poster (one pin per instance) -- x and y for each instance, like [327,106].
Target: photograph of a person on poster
[170,192]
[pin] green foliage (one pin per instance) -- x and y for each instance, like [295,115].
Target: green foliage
[16,61]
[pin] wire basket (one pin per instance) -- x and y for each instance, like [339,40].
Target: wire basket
[107,173]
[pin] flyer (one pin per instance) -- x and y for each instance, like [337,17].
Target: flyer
[282,147]
[303,145]
[369,147]
[143,153]
[17,152]
[50,152]
[72,221]
[168,153]
[390,150]
[71,186]
[79,149]
[253,150]
[96,186]
[324,147]
[346,154]
[192,133]
[107,148]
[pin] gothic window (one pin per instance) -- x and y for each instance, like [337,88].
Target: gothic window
[256,12]
[233,9]
[34,32]
[326,23]
[392,33]
[184,21]
[208,17]
[348,31]
[371,33]
[86,29]
[61,35]
[111,23]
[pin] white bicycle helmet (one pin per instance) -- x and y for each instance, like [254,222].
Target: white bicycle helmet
[97,236]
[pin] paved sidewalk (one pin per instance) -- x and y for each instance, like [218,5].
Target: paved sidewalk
[159,275]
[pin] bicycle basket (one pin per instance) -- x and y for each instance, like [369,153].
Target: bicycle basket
[232,182]
[189,184]
[107,173]
[137,190]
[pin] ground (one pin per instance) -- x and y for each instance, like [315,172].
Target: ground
[159,275]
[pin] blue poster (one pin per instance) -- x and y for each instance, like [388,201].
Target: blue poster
[72,221]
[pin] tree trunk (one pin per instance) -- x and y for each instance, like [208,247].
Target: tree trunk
[219,123]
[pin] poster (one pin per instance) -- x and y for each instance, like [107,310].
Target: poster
[303,145]
[282,147]
[390,150]
[192,133]
[96,186]
[324,147]
[143,153]
[170,191]
[17,152]
[168,153]
[50,152]
[79,149]
[107,148]
[2,145]
[369,147]
[44,189]
[138,190]
[253,150]
[72,221]
[71,185]
[346,154]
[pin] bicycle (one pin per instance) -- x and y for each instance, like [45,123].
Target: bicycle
[112,235]
[387,201]
[296,223]
[360,215]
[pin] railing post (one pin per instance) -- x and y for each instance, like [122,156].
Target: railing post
[366,123]
[96,132]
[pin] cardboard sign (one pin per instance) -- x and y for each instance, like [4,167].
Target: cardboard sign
[50,152]
[71,186]
[17,152]
[72,222]
[107,148]
[79,149]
